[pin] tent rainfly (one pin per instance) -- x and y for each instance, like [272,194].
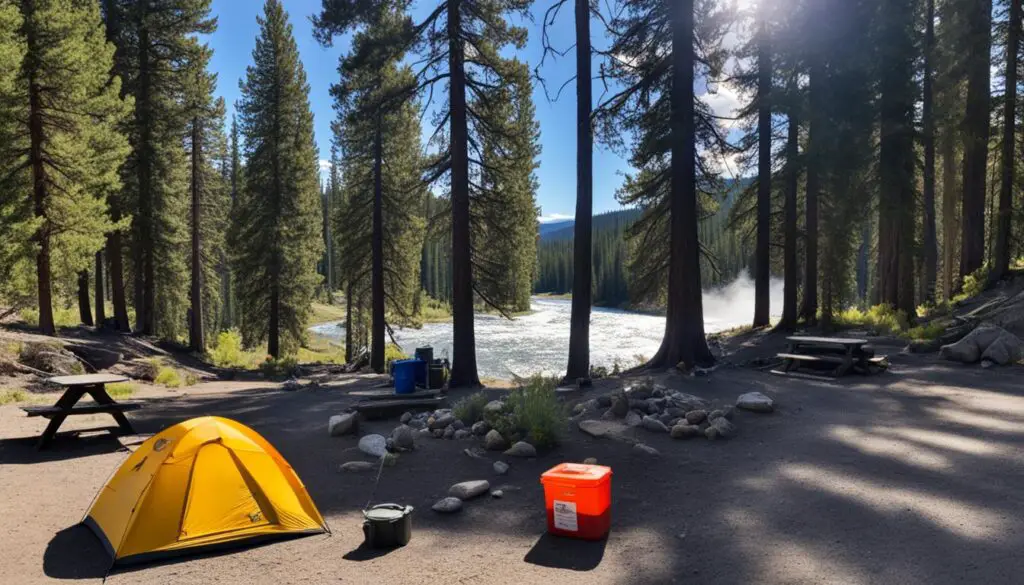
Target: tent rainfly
[202,484]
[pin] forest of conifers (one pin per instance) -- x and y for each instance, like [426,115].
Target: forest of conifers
[880,138]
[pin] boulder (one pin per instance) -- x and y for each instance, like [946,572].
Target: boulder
[654,425]
[60,363]
[438,433]
[374,445]
[468,490]
[462,434]
[685,431]
[358,466]
[342,424]
[494,406]
[711,433]
[755,402]
[695,417]
[403,439]
[728,412]
[602,428]
[633,419]
[725,428]
[641,390]
[447,505]
[1004,350]
[98,358]
[480,428]
[666,418]
[441,422]
[458,425]
[522,449]
[715,414]
[493,441]
[500,467]
[687,402]
[406,417]
[449,432]
[620,405]
[645,450]
[975,344]
[590,461]
[604,401]
[418,423]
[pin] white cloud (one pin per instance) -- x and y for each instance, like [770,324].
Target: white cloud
[325,166]
[554,217]
[723,99]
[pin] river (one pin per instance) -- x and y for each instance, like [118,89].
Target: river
[539,342]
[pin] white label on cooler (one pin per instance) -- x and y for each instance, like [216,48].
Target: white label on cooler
[565,516]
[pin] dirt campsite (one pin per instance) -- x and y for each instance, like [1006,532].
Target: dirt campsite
[906,476]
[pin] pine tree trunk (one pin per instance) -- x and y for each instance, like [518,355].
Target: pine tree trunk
[762,271]
[790,285]
[930,253]
[101,309]
[950,231]
[37,138]
[1004,221]
[976,135]
[579,322]
[84,309]
[684,342]
[377,335]
[809,310]
[464,371]
[197,339]
[349,338]
[146,273]
[114,256]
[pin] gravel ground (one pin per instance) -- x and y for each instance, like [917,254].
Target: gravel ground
[912,477]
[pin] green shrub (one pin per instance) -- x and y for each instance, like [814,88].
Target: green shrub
[391,353]
[974,283]
[471,408]
[9,396]
[933,330]
[121,389]
[227,351]
[191,379]
[283,367]
[537,412]
[169,377]
[883,318]
[62,317]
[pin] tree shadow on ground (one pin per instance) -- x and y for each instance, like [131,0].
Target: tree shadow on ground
[71,444]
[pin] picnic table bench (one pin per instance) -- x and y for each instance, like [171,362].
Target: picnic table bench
[845,354]
[75,388]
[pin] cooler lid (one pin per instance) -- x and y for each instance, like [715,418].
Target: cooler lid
[386,512]
[577,473]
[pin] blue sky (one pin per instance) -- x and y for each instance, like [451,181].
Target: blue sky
[235,38]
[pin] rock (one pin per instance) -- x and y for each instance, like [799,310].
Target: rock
[522,449]
[475,452]
[500,467]
[988,364]
[695,417]
[441,422]
[373,445]
[342,424]
[57,362]
[493,441]
[497,494]
[641,390]
[688,402]
[494,406]
[665,418]
[604,401]
[1005,350]
[755,402]
[98,358]
[449,432]
[480,428]
[711,433]
[633,419]
[425,432]
[406,417]
[715,414]
[685,431]
[608,415]
[590,461]
[646,450]
[675,411]
[620,405]
[403,439]
[654,425]
[728,412]
[418,423]
[447,505]
[291,385]
[467,490]
[462,434]
[602,428]
[987,341]
[458,425]
[725,428]
[358,466]
[438,433]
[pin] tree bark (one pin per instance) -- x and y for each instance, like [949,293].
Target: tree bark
[197,339]
[684,342]
[950,208]
[117,298]
[762,270]
[1004,221]
[464,370]
[790,285]
[101,309]
[145,318]
[349,339]
[84,310]
[976,135]
[579,322]
[377,252]
[809,310]
[930,253]
[40,194]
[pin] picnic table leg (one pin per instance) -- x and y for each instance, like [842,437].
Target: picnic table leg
[65,403]
[847,363]
[99,394]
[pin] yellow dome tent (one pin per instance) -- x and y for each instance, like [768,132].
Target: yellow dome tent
[204,483]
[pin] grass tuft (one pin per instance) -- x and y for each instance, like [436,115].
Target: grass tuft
[121,390]
[471,408]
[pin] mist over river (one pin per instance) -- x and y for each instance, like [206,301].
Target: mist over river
[539,342]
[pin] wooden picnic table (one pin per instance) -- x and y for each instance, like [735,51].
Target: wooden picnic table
[76,387]
[845,353]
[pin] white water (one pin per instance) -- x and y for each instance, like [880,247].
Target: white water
[539,342]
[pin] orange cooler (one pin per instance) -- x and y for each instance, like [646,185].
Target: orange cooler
[578,499]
